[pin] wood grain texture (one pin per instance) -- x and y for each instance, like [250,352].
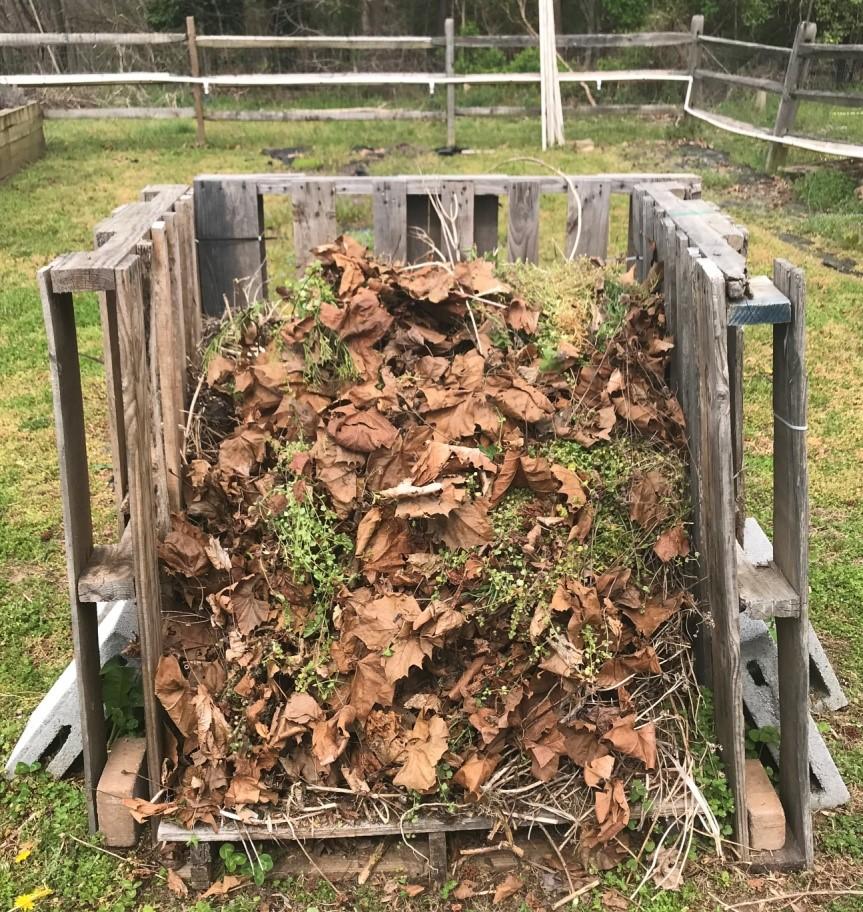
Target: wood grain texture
[108,575]
[229,227]
[595,211]
[187,276]
[59,315]
[94,270]
[791,552]
[137,415]
[169,361]
[522,233]
[795,76]
[389,219]
[764,591]
[457,200]
[735,379]
[314,218]
[717,543]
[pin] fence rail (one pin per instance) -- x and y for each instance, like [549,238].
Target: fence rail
[791,89]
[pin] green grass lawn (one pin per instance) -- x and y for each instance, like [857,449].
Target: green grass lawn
[93,166]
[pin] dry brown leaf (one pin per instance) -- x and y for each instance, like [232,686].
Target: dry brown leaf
[143,810]
[509,886]
[176,884]
[427,743]
[672,543]
[223,886]
[362,431]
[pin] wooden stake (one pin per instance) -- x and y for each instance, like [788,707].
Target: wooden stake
[195,70]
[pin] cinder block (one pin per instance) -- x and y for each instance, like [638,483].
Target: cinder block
[123,777]
[825,691]
[759,662]
[56,721]
[763,810]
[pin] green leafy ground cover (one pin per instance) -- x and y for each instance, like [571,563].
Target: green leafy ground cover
[91,167]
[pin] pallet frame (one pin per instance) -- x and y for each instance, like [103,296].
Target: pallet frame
[155,267]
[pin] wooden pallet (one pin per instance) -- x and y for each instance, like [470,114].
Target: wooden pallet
[152,301]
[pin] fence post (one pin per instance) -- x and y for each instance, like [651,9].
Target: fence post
[696,29]
[795,74]
[195,70]
[449,69]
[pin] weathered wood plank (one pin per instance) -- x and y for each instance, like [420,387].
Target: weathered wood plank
[137,415]
[522,233]
[170,360]
[94,270]
[389,219]
[229,227]
[457,201]
[791,552]
[108,575]
[59,315]
[595,210]
[187,275]
[765,303]
[795,76]
[735,380]
[314,217]
[717,543]
[764,591]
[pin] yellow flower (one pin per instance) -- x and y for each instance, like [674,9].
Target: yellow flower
[29,900]
[23,855]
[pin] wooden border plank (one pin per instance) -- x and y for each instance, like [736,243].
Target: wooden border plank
[457,200]
[136,409]
[717,543]
[791,552]
[314,218]
[522,233]
[59,314]
[229,229]
[389,219]
[595,211]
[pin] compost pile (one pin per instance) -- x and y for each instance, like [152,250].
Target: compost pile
[432,553]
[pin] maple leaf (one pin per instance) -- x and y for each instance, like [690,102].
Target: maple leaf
[175,693]
[363,431]
[672,543]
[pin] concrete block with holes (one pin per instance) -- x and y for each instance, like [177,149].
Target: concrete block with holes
[53,733]
[759,660]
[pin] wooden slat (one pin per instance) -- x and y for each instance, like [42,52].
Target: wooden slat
[791,552]
[170,358]
[108,575]
[495,184]
[94,270]
[229,226]
[486,209]
[795,76]
[743,45]
[389,219]
[314,217]
[831,50]
[59,315]
[137,414]
[735,379]
[746,82]
[765,303]
[717,543]
[843,99]
[323,42]
[764,591]
[522,233]
[457,200]
[67,39]
[188,277]
[595,209]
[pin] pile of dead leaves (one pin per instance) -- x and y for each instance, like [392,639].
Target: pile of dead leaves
[388,578]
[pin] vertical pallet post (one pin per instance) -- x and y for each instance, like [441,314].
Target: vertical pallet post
[229,226]
[522,233]
[59,314]
[717,544]
[595,199]
[696,29]
[137,413]
[449,69]
[389,219]
[795,76]
[791,553]
[195,70]
[314,217]
[735,376]
[457,201]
